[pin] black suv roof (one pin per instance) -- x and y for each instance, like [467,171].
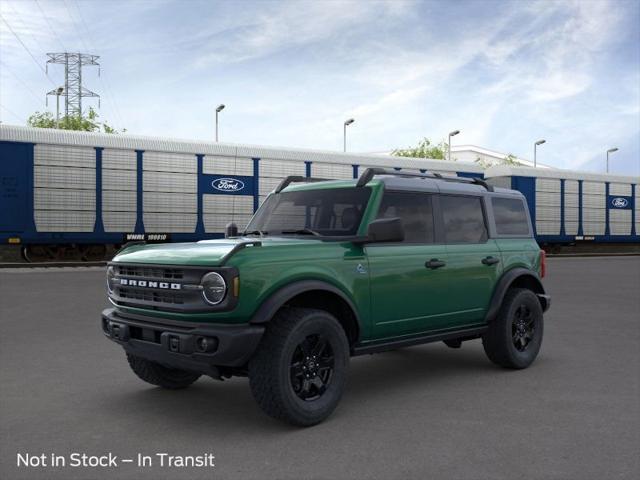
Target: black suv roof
[427,182]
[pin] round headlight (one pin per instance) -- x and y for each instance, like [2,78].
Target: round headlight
[214,288]
[111,273]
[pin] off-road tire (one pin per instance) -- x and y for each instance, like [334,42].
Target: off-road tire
[156,374]
[270,369]
[498,341]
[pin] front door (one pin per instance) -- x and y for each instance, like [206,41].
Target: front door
[408,280]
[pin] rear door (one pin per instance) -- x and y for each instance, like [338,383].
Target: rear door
[474,261]
[13,186]
[407,296]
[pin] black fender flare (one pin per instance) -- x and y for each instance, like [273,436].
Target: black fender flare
[277,299]
[506,280]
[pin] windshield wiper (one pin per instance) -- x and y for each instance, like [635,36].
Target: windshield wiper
[303,231]
[254,232]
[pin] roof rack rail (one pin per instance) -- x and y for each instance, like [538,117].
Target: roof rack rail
[297,179]
[369,173]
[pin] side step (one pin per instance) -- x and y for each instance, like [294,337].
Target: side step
[391,344]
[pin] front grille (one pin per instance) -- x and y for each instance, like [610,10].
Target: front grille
[151,296]
[158,287]
[166,288]
[150,272]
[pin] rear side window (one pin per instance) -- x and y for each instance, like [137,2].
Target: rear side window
[415,211]
[510,215]
[463,219]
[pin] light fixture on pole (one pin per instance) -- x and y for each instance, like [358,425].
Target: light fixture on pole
[611,150]
[59,91]
[344,136]
[218,110]
[451,134]
[535,152]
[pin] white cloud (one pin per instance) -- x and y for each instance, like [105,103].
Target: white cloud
[291,72]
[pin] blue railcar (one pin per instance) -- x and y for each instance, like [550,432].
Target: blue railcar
[569,206]
[70,194]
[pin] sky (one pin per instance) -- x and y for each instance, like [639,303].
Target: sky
[504,73]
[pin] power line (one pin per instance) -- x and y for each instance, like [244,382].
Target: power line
[12,113]
[27,49]
[105,82]
[32,92]
[75,27]
[24,27]
[46,18]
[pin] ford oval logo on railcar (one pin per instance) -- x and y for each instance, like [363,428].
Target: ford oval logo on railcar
[619,202]
[227,184]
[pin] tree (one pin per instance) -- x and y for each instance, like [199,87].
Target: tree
[425,149]
[88,123]
[510,159]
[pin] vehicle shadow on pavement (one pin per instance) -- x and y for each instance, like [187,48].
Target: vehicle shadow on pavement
[229,405]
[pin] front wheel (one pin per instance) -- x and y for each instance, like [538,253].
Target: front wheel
[299,371]
[514,337]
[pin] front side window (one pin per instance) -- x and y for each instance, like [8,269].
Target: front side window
[415,212]
[463,219]
[326,212]
[510,215]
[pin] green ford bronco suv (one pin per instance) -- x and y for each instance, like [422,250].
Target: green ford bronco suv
[330,269]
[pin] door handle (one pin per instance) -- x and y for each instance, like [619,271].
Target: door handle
[434,263]
[490,260]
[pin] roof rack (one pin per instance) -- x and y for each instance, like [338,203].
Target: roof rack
[369,173]
[297,179]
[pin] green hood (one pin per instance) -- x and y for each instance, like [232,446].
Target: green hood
[204,252]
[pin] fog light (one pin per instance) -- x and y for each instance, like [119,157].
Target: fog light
[206,344]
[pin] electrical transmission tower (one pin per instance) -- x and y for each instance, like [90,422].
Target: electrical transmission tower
[73,90]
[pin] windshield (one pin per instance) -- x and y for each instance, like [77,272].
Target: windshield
[326,212]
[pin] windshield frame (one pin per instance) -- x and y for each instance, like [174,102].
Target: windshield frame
[259,225]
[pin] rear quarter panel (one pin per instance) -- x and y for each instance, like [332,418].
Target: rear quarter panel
[519,252]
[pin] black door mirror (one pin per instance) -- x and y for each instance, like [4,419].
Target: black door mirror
[231,230]
[385,230]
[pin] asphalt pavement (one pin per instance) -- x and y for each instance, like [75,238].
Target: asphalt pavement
[423,412]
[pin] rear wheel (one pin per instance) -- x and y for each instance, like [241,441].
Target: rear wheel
[156,374]
[514,337]
[299,371]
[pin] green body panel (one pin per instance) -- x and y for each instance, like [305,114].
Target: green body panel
[471,281]
[394,294]
[407,297]
[519,252]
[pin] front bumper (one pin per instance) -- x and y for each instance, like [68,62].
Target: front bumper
[197,347]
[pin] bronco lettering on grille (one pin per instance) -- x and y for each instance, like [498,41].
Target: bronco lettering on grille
[150,284]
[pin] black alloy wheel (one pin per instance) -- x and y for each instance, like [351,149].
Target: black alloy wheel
[513,339]
[522,327]
[312,367]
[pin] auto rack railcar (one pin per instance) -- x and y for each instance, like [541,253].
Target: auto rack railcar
[569,206]
[69,194]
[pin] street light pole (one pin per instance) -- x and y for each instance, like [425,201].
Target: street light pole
[451,134]
[611,150]
[58,93]
[535,152]
[218,110]
[344,135]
